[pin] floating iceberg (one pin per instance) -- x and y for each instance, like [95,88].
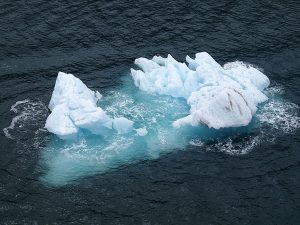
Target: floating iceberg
[219,96]
[74,106]
[134,125]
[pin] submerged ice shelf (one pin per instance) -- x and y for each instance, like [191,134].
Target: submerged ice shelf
[168,105]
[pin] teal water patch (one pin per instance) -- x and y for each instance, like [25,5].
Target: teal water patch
[66,161]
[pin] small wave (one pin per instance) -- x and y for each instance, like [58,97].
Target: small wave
[232,147]
[275,90]
[231,65]
[28,122]
[196,142]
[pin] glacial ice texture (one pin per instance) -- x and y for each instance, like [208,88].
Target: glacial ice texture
[218,96]
[74,107]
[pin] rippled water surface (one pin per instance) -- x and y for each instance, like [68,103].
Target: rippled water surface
[248,176]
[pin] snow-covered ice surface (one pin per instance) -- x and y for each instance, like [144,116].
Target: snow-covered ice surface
[159,112]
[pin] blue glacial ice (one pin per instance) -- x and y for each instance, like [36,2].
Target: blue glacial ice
[167,106]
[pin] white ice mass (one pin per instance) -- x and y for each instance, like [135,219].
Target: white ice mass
[74,106]
[218,96]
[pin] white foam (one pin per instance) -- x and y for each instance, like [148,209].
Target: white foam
[280,115]
[196,142]
[14,108]
[29,114]
[228,146]
[275,90]
[15,120]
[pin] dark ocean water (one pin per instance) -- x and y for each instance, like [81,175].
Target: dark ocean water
[98,41]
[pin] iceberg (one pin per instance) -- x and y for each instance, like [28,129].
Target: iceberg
[219,97]
[74,106]
[162,107]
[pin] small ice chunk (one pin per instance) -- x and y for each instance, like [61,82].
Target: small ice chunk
[141,131]
[122,125]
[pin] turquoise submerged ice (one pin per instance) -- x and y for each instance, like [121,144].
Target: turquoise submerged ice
[164,107]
